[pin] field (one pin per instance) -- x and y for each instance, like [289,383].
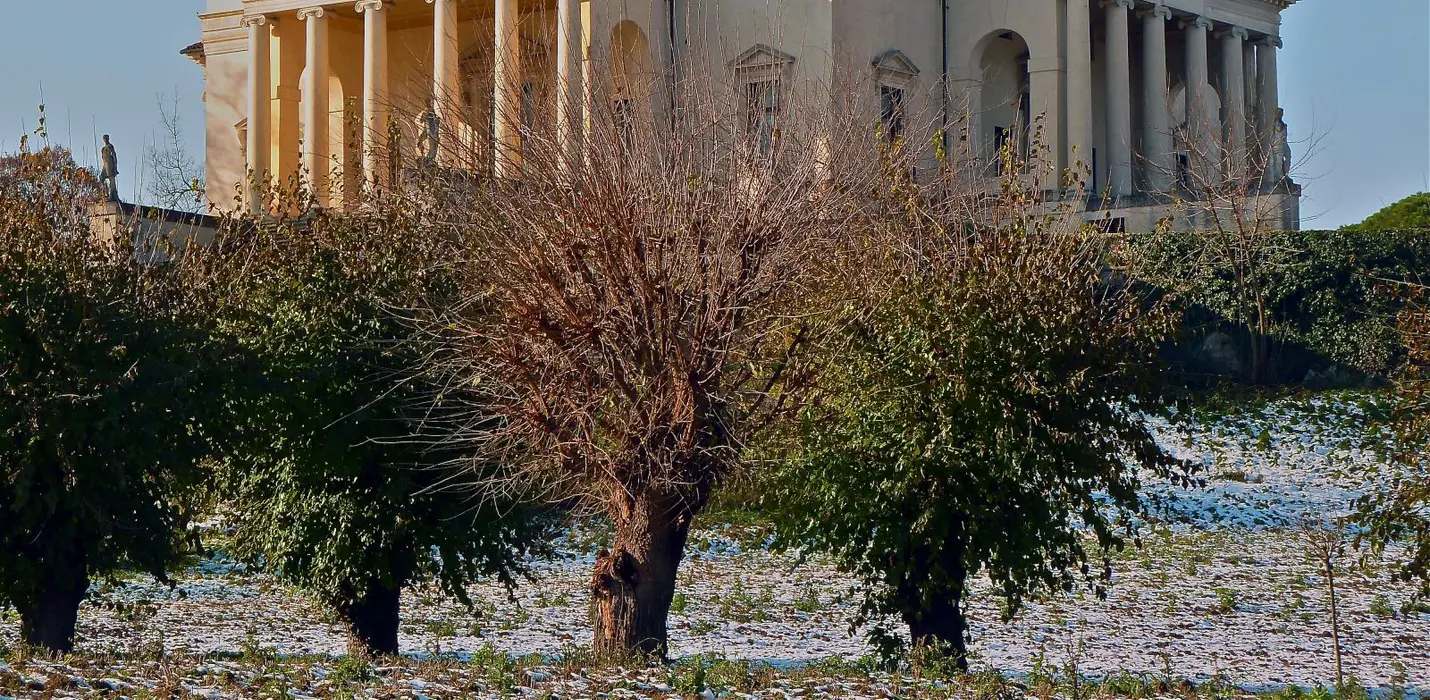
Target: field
[1225,598]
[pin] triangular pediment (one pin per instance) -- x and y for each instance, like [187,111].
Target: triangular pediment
[761,56]
[894,64]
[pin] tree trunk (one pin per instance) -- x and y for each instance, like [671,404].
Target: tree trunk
[634,582]
[1335,618]
[373,620]
[939,619]
[942,622]
[48,621]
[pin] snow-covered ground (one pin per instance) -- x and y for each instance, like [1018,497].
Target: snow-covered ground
[1225,588]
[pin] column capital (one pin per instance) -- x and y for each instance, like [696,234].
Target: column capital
[1200,22]
[311,12]
[1128,4]
[1271,41]
[1240,33]
[1159,11]
[254,20]
[363,6]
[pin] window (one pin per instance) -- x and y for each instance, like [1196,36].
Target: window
[895,74]
[760,72]
[891,111]
[1000,141]
[528,106]
[1112,225]
[622,111]
[242,128]
[762,99]
[1096,184]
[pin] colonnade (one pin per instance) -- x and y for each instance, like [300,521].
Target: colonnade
[376,96]
[1248,81]
[1248,84]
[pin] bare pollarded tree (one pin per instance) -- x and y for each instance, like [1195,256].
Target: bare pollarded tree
[641,308]
[1232,190]
[176,179]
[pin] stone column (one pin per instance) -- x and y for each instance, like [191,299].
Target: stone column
[1157,145]
[446,87]
[1233,87]
[260,94]
[288,56]
[507,88]
[1119,99]
[1044,78]
[1248,77]
[1268,105]
[568,81]
[315,112]
[1079,83]
[374,90]
[1200,143]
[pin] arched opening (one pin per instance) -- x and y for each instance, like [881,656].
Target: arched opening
[1209,120]
[631,74]
[1004,96]
[478,83]
[344,143]
[344,176]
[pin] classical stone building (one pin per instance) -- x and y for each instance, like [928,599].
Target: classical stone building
[1133,89]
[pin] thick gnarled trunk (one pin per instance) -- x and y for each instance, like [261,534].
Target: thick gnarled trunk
[48,621]
[939,619]
[942,622]
[372,620]
[634,582]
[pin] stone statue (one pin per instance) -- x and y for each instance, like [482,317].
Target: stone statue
[432,135]
[109,170]
[1283,145]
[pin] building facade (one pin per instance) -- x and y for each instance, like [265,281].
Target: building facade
[1136,91]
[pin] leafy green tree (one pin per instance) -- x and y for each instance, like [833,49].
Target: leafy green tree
[1321,291]
[106,381]
[1409,214]
[1399,511]
[332,484]
[982,420]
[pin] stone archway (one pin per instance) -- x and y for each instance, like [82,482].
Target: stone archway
[1210,121]
[344,176]
[631,72]
[1004,94]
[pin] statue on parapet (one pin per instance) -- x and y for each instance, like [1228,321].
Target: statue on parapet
[109,170]
[1283,144]
[431,135]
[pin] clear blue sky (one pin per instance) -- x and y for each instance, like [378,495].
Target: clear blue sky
[1355,81]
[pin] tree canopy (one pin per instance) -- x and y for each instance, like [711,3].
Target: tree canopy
[1409,214]
[108,398]
[980,421]
[332,483]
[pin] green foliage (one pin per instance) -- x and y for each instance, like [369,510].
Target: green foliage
[1409,214]
[1226,600]
[1323,293]
[980,422]
[107,391]
[1397,512]
[333,485]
